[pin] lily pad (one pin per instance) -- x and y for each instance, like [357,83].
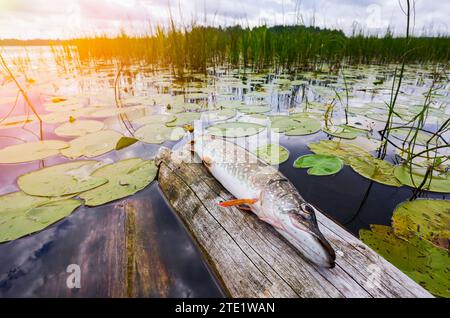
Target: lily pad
[184,119]
[254,109]
[273,154]
[110,111]
[125,178]
[425,263]
[92,145]
[339,149]
[306,126]
[413,177]
[155,119]
[216,115]
[235,129]
[427,219]
[79,128]
[64,179]
[125,142]
[341,132]
[319,165]
[22,214]
[158,133]
[30,151]
[374,169]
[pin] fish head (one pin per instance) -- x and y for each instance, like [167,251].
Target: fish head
[296,221]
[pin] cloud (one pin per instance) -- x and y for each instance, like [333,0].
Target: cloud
[68,18]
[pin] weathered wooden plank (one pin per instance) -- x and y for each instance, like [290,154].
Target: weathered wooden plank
[253,260]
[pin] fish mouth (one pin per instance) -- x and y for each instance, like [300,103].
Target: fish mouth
[314,245]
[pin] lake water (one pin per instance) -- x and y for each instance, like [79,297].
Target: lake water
[96,239]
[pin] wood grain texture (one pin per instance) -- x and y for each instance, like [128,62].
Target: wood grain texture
[253,260]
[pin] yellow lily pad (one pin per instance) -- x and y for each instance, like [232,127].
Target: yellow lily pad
[30,151]
[79,128]
[92,145]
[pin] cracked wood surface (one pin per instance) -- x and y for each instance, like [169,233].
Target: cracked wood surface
[252,260]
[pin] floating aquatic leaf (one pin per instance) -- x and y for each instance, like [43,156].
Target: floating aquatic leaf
[254,109]
[419,259]
[339,149]
[305,126]
[413,177]
[319,165]
[155,119]
[427,219]
[158,133]
[235,129]
[125,142]
[282,124]
[217,115]
[184,119]
[108,112]
[79,128]
[231,104]
[125,178]
[374,169]
[58,180]
[341,132]
[92,145]
[30,151]
[273,154]
[421,138]
[22,214]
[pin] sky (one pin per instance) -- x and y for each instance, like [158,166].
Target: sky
[29,19]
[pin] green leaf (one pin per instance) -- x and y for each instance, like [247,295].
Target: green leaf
[22,214]
[30,151]
[92,145]
[158,133]
[254,109]
[374,169]
[235,129]
[341,132]
[419,259]
[125,142]
[413,177]
[125,178]
[79,128]
[320,165]
[273,154]
[64,179]
[427,219]
[339,149]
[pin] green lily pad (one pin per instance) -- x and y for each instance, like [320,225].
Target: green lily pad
[306,126]
[216,115]
[273,154]
[319,165]
[235,129]
[419,259]
[79,128]
[125,178]
[339,149]
[30,151]
[282,124]
[254,109]
[184,119]
[229,104]
[427,219]
[59,180]
[158,133]
[92,145]
[22,214]
[374,169]
[421,139]
[438,182]
[125,142]
[110,111]
[155,119]
[341,132]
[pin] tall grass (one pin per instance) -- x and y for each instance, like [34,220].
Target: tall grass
[279,47]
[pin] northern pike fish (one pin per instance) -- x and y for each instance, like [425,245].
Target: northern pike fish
[265,191]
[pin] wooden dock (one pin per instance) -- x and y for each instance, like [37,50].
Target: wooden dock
[252,260]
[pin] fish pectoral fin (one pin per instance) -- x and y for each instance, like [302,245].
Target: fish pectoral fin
[237,202]
[272,222]
[207,161]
